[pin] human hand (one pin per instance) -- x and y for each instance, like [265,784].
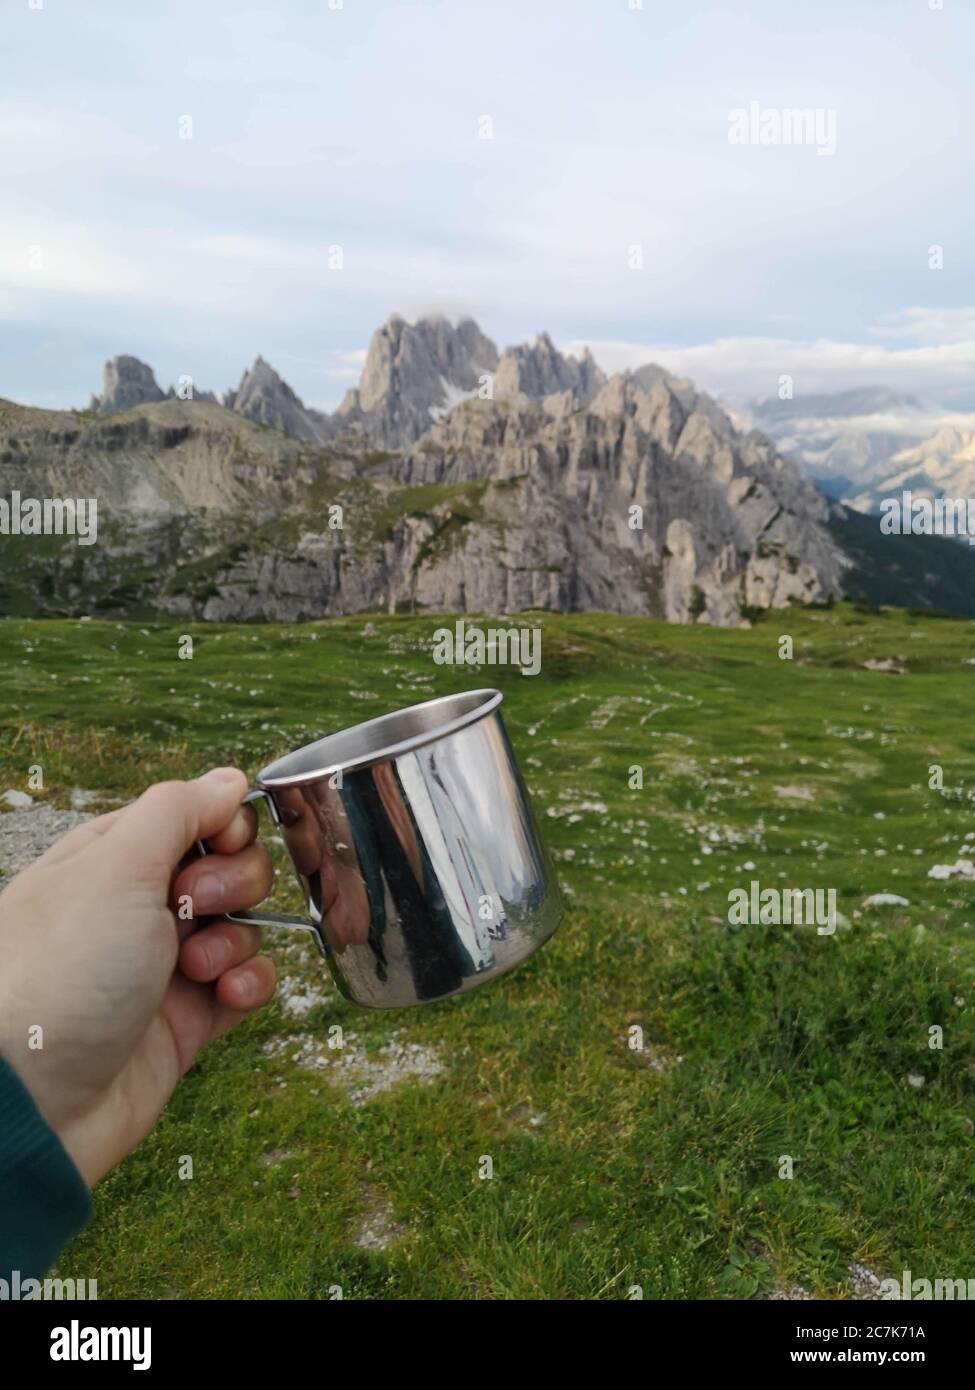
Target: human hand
[92,952]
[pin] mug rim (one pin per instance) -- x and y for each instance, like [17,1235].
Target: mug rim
[275,773]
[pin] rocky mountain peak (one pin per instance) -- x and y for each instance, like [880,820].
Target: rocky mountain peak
[540,370]
[413,374]
[260,379]
[943,465]
[126,382]
[264,397]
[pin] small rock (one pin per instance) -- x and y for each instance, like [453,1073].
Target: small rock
[885,900]
[794,1293]
[795,793]
[892,665]
[19,801]
[297,998]
[915,1079]
[866,1285]
[962,868]
[378,1229]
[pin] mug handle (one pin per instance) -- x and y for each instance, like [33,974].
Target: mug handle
[270,919]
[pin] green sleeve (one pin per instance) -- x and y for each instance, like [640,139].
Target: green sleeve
[43,1200]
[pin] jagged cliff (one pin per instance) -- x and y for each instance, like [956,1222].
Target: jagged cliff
[413,374]
[127,382]
[265,399]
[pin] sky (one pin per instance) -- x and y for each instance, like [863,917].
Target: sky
[198,184]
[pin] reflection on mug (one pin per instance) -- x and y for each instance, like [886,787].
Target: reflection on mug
[364,864]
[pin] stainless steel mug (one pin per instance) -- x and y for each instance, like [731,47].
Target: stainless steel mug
[416,850]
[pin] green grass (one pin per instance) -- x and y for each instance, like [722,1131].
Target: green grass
[656,1168]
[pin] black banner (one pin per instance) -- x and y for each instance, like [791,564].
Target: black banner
[167,1338]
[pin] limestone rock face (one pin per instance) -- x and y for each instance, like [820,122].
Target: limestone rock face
[126,382]
[416,373]
[540,370]
[265,399]
[413,374]
[641,503]
[940,466]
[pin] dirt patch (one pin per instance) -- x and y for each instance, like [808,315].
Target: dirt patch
[273,1157]
[795,793]
[378,1228]
[891,665]
[25,835]
[523,1119]
[297,997]
[361,1075]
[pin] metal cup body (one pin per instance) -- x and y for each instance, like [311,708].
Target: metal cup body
[423,871]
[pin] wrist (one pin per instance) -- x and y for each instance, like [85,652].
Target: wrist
[76,1138]
[69,1132]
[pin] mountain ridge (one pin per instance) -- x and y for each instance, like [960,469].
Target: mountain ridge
[557,488]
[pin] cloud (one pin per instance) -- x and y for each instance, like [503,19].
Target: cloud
[750,367]
[42,258]
[933,326]
[820,431]
[349,363]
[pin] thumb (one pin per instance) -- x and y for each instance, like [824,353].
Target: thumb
[156,831]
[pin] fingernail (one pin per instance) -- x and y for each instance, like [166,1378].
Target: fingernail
[218,953]
[220,776]
[246,986]
[208,894]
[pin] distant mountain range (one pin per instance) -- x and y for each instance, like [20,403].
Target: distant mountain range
[855,445]
[454,477]
[942,466]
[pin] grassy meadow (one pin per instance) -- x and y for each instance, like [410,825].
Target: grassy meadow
[613,1167]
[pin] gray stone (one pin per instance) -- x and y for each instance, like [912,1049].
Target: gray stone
[540,370]
[413,374]
[126,382]
[16,799]
[263,397]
